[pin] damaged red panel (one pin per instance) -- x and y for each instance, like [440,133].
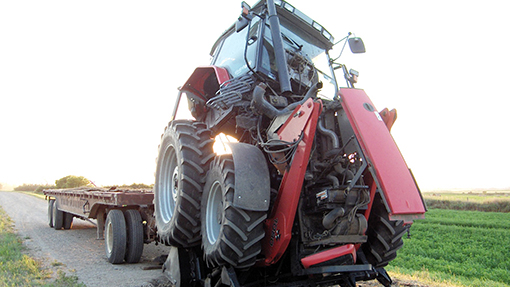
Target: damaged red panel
[394,178]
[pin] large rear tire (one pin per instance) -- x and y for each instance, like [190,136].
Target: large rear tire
[384,235]
[184,155]
[230,235]
[134,231]
[115,237]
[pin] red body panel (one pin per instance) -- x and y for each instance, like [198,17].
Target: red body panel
[392,174]
[196,81]
[329,254]
[279,226]
[389,117]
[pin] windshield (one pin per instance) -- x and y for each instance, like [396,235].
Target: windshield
[306,56]
[231,52]
[299,41]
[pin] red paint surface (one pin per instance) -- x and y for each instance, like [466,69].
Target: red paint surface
[389,117]
[196,81]
[392,173]
[329,254]
[278,227]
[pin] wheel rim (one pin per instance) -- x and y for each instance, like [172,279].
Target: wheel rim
[175,184]
[168,185]
[214,212]
[109,237]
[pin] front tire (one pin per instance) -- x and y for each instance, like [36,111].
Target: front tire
[184,155]
[230,235]
[384,235]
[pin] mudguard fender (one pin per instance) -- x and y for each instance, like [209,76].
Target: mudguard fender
[252,188]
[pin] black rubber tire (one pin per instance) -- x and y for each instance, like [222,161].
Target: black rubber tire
[134,232]
[384,235]
[184,156]
[50,212]
[230,235]
[58,217]
[68,220]
[115,236]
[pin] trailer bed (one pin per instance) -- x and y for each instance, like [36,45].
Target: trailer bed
[125,215]
[87,202]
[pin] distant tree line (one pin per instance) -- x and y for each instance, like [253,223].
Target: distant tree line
[72,181]
[33,187]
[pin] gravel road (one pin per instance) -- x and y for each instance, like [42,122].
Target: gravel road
[77,249]
[84,256]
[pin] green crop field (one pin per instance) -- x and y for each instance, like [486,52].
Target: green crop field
[466,248]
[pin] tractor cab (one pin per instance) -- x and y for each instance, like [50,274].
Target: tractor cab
[289,53]
[271,43]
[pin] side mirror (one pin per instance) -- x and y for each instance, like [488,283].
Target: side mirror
[245,17]
[356,45]
[241,23]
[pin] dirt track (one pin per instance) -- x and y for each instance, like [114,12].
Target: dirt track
[84,256]
[77,249]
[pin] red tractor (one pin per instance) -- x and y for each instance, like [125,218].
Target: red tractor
[313,191]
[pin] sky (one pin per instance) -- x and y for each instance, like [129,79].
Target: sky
[87,87]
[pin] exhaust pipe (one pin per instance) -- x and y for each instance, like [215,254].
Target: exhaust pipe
[279,50]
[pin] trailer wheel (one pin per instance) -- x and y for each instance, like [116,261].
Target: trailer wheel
[184,154]
[384,235]
[50,212]
[134,231]
[115,239]
[58,216]
[230,235]
[68,220]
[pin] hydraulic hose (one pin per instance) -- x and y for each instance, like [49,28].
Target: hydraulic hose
[261,104]
[312,92]
[329,220]
[331,134]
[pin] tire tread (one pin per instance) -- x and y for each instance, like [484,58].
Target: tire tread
[134,232]
[241,232]
[384,235]
[193,142]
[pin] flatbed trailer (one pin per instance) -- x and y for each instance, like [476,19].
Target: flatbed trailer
[124,217]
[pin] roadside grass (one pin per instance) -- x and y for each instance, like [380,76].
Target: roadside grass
[32,193]
[464,248]
[18,269]
[456,245]
[484,201]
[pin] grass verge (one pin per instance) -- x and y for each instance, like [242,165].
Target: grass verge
[465,248]
[32,193]
[18,269]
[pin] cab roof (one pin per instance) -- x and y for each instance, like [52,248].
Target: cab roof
[293,17]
